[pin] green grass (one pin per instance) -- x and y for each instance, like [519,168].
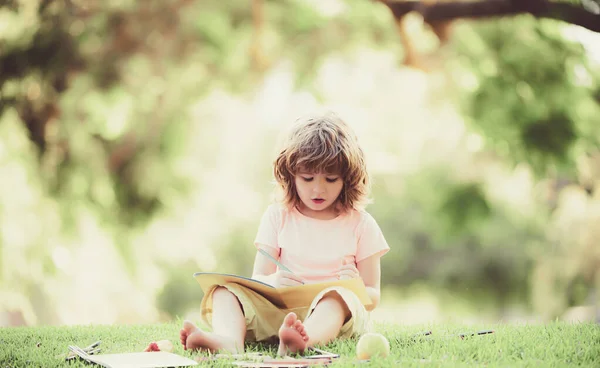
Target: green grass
[551,345]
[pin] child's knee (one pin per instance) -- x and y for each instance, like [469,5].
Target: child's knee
[333,295]
[223,295]
[334,298]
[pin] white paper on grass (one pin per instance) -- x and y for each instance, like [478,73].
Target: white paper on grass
[155,359]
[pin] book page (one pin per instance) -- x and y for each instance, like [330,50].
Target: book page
[209,279]
[155,359]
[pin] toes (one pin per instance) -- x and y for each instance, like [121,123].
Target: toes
[299,326]
[292,322]
[290,319]
[184,333]
[183,339]
[188,326]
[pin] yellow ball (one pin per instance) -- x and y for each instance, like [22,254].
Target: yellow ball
[372,344]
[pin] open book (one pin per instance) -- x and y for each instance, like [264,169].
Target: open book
[286,297]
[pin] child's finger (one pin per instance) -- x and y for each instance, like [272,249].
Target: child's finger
[292,276]
[348,273]
[290,282]
[350,267]
[297,280]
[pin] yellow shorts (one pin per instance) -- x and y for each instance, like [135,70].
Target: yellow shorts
[263,319]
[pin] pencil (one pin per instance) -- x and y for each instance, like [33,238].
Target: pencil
[272,259]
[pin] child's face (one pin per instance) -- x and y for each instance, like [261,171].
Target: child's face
[318,191]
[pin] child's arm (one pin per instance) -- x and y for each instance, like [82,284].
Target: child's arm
[266,271]
[370,271]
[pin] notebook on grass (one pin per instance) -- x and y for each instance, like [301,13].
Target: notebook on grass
[157,359]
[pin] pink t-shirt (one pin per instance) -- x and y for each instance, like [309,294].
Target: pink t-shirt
[314,249]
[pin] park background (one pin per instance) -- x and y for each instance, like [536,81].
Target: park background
[136,143]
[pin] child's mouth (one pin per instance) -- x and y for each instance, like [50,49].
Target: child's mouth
[318,200]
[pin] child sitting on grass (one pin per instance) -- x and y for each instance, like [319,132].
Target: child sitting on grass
[320,232]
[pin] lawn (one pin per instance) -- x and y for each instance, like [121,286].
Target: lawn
[551,345]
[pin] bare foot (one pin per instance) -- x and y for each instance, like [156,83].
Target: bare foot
[193,338]
[292,336]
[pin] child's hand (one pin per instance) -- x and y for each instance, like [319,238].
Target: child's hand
[285,279]
[348,271]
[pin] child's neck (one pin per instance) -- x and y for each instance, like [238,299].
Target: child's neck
[328,213]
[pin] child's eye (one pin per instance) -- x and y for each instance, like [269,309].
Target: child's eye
[306,178]
[332,180]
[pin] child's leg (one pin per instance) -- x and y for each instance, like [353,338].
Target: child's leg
[322,326]
[228,322]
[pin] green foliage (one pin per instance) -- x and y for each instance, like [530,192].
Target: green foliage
[130,70]
[464,204]
[180,293]
[531,92]
[447,233]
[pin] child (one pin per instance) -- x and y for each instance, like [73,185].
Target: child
[320,232]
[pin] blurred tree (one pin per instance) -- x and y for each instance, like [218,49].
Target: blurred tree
[548,110]
[439,16]
[180,293]
[106,92]
[531,93]
[97,51]
[446,233]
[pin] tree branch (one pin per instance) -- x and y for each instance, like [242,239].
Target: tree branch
[574,15]
[258,24]
[448,10]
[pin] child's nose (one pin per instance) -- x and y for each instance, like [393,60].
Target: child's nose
[319,186]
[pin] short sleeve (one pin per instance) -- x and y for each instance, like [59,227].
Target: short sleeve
[370,238]
[268,229]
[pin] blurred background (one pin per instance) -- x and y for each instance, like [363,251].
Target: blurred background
[137,138]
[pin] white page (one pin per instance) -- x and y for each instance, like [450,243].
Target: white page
[155,359]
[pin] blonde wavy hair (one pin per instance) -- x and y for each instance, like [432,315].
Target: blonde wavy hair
[323,144]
